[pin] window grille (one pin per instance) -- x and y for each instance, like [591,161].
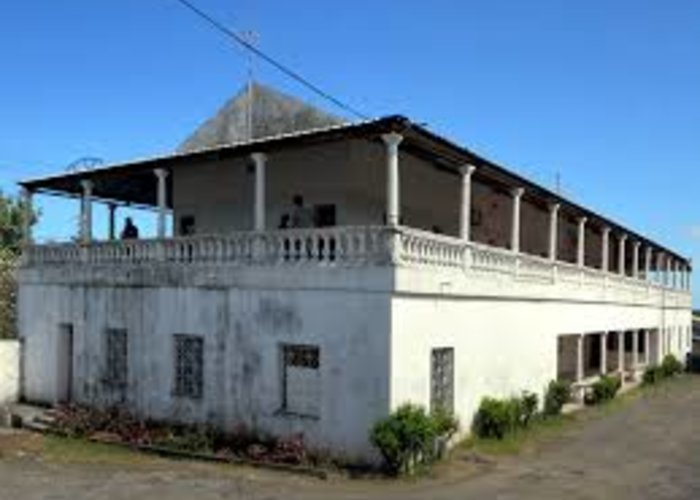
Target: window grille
[117,358]
[301,382]
[442,379]
[189,361]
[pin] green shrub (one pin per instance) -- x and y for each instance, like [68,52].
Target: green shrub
[404,438]
[604,389]
[497,417]
[556,396]
[652,375]
[445,424]
[670,366]
[529,403]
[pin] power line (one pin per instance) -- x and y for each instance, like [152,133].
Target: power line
[270,60]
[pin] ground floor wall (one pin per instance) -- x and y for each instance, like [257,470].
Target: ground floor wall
[340,370]
[503,347]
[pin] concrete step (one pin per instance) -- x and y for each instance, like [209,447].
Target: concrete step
[36,426]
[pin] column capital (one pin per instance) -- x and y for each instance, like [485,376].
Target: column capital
[161,173]
[87,185]
[623,237]
[636,244]
[554,207]
[467,170]
[517,192]
[258,157]
[582,220]
[392,139]
[606,230]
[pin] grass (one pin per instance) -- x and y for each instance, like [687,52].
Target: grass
[540,430]
[74,450]
[543,430]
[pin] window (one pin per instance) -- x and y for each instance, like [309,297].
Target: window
[189,361]
[442,379]
[301,381]
[116,350]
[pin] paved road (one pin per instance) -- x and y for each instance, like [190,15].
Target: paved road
[648,449]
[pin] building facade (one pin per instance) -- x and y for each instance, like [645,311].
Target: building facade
[420,272]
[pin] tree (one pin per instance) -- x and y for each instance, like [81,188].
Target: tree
[11,217]
[12,211]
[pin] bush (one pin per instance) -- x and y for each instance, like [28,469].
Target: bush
[670,366]
[528,407]
[604,389]
[409,436]
[497,417]
[556,396]
[445,424]
[404,437]
[652,375]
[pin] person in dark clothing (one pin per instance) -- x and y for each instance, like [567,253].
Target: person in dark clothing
[130,231]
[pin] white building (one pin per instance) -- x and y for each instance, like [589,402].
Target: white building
[432,275]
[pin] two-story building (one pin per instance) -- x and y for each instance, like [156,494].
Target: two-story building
[318,279]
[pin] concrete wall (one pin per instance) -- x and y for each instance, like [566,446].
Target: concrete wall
[243,329]
[504,342]
[9,371]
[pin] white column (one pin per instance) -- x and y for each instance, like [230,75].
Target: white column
[515,226]
[635,259]
[260,161]
[674,274]
[465,212]
[647,263]
[86,211]
[162,176]
[579,358]
[647,346]
[605,258]
[553,230]
[635,349]
[621,255]
[621,353]
[581,243]
[603,353]
[27,216]
[392,141]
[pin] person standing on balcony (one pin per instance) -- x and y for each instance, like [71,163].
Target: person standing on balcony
[301,216]
[130,231]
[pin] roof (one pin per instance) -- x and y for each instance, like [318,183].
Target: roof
[271,113]
[418,140]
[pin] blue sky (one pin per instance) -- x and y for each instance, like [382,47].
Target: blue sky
[607,94]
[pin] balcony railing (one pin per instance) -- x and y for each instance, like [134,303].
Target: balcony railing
[338,247]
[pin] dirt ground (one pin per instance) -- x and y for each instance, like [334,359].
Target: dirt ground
[646,448]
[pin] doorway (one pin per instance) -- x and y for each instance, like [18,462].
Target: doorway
[64,364]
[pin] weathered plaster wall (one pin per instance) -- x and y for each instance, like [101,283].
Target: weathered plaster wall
[243,329]
[504,340]
[9,370]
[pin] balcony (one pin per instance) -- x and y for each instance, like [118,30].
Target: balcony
[422,261]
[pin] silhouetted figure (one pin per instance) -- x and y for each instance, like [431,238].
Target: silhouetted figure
[130,231]
[301,216]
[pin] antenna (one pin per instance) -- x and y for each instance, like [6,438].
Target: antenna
[250,37]
[557,183]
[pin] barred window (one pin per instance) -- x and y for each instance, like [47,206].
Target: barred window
[301,382]
[189,361]
[442,379]
[117,357]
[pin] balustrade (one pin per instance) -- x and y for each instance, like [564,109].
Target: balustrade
[336,246]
